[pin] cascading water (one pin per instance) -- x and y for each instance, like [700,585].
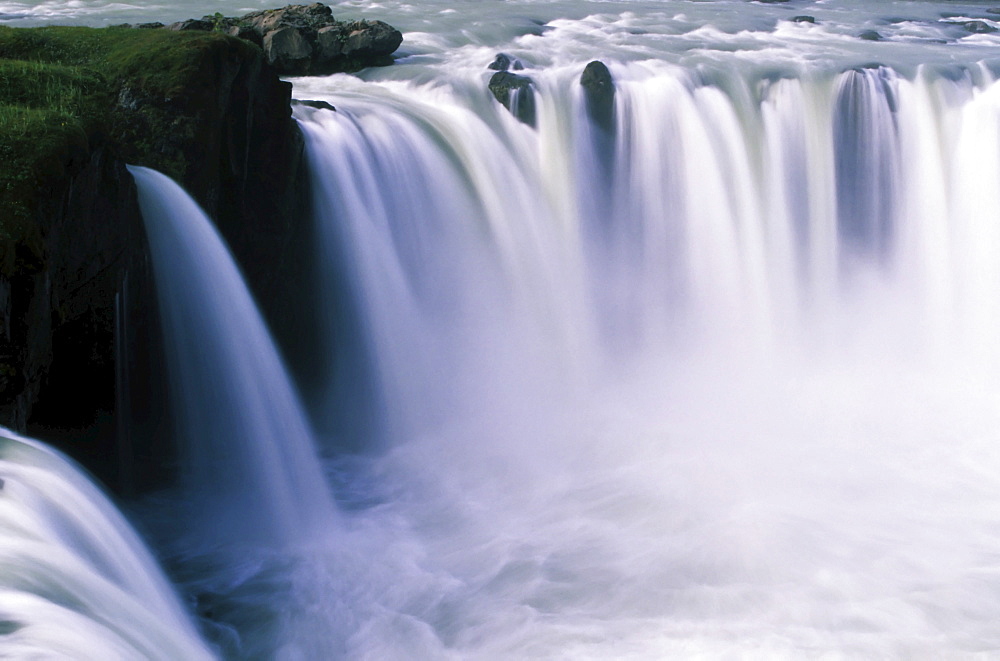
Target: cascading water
[75,580]
[731,393]
[249,462]
[717,378]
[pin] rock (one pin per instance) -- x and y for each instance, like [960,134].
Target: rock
[149,26]
[599,94]
[287,50]
[504,62]
[245,33]
[320,105]
[371,39]
[333,46]
[330,41]
[803,19]
[76,289]
[516,93]
[192,24]
[978,27]
[304,17]
[870,35]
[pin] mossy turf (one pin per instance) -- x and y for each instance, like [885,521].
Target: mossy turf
[59,87]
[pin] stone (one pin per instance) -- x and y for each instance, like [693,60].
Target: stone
[286,48]
[979,27]
[191,24]
[319,105]
[870,35]
[599,94]
[371,38]
[803,19]
[504,62]
[330,43]
[516,93]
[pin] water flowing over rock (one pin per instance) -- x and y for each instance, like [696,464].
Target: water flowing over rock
[599,90]
[504,62]
[516,93]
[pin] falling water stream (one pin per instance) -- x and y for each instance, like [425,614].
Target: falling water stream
[721,381]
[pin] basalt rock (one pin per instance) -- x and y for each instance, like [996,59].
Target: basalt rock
[505,62]
[978,27]
[516,93]
[76,321]
[300,40]
[599,94]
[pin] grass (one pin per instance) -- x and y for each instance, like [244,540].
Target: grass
[60,88]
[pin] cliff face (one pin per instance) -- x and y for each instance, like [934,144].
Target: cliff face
[79,354]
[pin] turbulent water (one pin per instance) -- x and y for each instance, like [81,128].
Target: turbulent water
[721,381]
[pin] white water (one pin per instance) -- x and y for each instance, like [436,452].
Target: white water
[248,458]
[75,580]
[734,393]
[738,397]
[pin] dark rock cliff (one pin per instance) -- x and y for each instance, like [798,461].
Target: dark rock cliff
[78,325]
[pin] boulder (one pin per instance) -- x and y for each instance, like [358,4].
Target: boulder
[304,40]
[804,19]
[978,27]
[286,49]
[304,17]
[870,35]
[504,62]
[516,93]
[599,94]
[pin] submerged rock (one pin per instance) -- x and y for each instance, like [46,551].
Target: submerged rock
[504,62]
[804,19]
[599,94]
[516,93]
[978,27]
[870,35]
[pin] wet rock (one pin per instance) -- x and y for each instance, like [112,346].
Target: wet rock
[804,19]
[599,94]
[870,35]
[504,62]
[319,105]
[516,93]
[978,27]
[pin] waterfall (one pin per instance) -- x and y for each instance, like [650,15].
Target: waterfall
[247,449]
[75,580]
[726,373]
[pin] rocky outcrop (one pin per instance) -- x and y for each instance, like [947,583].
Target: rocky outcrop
[516,93]
[76,319]
[300,40]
